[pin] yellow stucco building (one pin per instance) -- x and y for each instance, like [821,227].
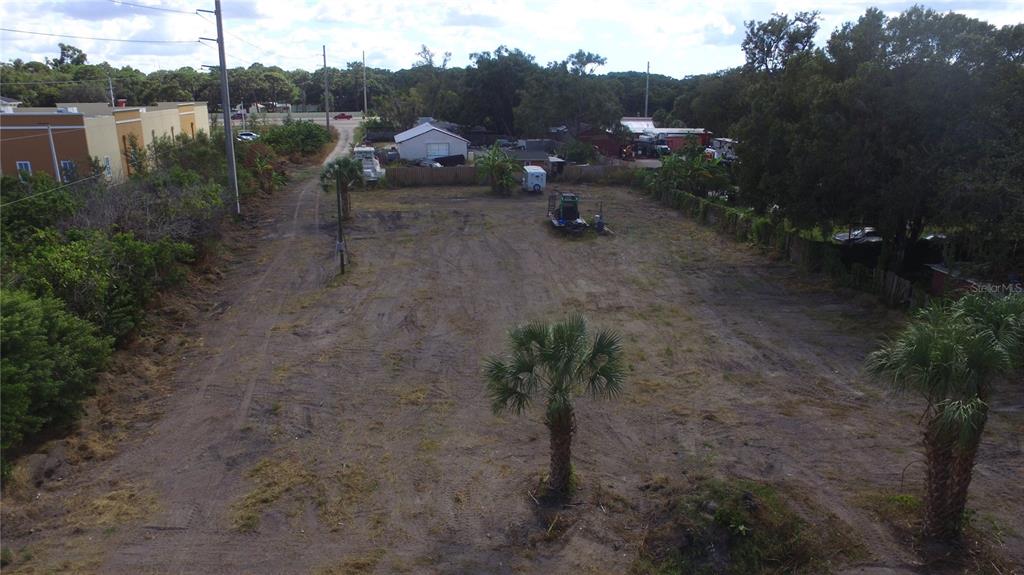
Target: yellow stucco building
[62,140]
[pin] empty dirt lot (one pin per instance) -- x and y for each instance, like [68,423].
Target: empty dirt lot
[321,424]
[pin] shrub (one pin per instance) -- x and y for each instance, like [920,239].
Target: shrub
[48,362]
[303,138]
[104,279]
[578,152]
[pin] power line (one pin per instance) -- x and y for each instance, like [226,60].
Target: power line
[260,48]
[92,177]
[104,79]
[101,39]
[120,3]
[41,127]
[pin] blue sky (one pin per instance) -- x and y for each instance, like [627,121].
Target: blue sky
[678,37]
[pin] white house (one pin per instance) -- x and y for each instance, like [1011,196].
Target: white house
[429,141]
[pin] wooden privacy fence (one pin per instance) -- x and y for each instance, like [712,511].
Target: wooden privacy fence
[417,176]
[469,176]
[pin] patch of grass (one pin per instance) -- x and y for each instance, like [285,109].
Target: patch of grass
[355,564]
[416,396]
[341,492]
[427,445]
[129,503]
[273,479]
[741,527]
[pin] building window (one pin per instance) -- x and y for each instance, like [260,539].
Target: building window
[68,171]
[24,169]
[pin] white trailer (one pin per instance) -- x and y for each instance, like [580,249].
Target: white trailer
[534,179]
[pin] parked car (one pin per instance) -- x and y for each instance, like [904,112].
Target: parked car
[238,115]
[343,116]
[247,136]
[428,164]
[861,235]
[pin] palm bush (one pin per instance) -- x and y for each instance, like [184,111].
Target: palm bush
[498,170]
[556,362]
[951,354]
[343,172]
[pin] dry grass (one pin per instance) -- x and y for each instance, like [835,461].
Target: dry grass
[355,564]
[129,503]
[341,492]
[274,479]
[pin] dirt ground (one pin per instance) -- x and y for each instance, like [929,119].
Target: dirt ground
[311,423]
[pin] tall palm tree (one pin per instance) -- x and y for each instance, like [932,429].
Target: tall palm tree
[343,173]
[950,356]
[557,362]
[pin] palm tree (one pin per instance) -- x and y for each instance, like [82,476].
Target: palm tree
[342,173]
[556,362]
[951,356]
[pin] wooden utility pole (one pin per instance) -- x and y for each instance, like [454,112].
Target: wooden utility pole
[225,105]
[327,108]
[340,247]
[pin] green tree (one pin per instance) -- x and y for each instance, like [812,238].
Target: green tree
[556,362]
[951,355]
[498,169]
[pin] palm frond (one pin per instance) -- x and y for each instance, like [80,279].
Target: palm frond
[603,370]
[964,418]
[942,355]
[506,388]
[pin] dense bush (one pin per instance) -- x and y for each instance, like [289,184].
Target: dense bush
[292,137]
[578,152]
[48,360]
[104,279]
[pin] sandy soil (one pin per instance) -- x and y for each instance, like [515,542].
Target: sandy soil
[339,424]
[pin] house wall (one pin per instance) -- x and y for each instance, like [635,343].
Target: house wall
[24,137]
[416,148]
[200,116]
[129,123]
[157,124]
[101,136]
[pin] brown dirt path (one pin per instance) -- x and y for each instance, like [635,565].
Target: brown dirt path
[345,420]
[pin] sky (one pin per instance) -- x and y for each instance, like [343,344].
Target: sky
[678,37]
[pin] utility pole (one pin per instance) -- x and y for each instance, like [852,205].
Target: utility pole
[647,89]
[340,247]
[364,85]
[225,106]
[53,155]
[327,110]
[110,88]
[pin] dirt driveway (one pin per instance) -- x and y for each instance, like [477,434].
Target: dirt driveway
[324,424]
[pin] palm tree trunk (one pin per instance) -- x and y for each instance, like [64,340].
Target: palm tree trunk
[950,466]
[561,427]
[346,203]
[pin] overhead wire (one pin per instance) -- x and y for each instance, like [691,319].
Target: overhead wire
[100,39]
[37,194]
[160,8]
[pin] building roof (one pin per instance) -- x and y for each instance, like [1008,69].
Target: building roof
[637,125]
[528,155]
[4,100]
[423,129]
